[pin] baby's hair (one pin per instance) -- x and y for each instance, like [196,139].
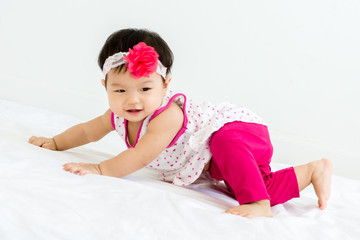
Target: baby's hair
[124,39]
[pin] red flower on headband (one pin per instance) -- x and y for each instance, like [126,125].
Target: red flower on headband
[142,60]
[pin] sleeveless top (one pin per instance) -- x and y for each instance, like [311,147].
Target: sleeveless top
[184,159]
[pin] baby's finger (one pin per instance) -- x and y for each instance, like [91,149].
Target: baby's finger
[31,139]
[74,168]
[68,166]
[82,172]
[38,142]
[35,140]
[48,145]
[65,167]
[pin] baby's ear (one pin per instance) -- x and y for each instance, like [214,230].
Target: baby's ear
[103,82]
[167,81]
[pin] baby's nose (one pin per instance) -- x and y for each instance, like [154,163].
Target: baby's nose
[133,99]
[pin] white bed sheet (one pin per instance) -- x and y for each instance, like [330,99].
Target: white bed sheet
[38,200]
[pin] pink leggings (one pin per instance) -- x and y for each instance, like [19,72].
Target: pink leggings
[241,156]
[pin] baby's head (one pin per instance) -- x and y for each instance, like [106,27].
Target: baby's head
[136,64]
[125,39]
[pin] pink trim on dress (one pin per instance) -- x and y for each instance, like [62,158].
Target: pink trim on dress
[113,120]
[137,136]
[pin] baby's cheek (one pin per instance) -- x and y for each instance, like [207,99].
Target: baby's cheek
[116,108]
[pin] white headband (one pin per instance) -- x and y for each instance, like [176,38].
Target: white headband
[118,59]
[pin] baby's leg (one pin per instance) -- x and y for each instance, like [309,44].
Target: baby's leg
[235,148]
[319,174]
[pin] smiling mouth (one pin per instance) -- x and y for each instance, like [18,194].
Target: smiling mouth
[134,111]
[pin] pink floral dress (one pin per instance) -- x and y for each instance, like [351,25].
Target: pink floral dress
[184,159]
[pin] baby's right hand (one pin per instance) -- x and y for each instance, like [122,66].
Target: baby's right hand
[47,143]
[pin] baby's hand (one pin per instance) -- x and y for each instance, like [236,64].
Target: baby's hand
[82,168]
[47,143]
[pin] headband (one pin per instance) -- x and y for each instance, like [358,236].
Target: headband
[141,61]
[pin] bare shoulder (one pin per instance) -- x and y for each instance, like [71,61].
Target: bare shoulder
[170,119]
[174,111]
[106,120]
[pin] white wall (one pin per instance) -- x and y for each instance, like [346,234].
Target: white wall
[295,63]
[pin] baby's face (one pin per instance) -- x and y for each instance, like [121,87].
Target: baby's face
[134,99]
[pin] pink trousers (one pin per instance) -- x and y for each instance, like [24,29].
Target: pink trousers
[241,157]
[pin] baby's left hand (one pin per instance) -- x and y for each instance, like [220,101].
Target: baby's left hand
[82,168]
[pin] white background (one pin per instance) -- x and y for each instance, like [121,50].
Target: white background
[295,63]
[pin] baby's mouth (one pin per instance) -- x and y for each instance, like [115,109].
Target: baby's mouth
[133,111]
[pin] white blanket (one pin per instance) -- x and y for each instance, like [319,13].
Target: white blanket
[39,200]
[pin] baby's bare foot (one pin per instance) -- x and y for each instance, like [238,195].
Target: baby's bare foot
[321,180]
[255,209]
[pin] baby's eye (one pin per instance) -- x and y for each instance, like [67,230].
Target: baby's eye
[145,89]
[120,91]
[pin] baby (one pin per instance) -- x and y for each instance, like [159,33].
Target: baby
[180,139]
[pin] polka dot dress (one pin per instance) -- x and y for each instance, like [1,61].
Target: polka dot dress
[184,159]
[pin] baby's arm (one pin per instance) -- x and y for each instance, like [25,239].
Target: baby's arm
[160,132]
[77,135]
